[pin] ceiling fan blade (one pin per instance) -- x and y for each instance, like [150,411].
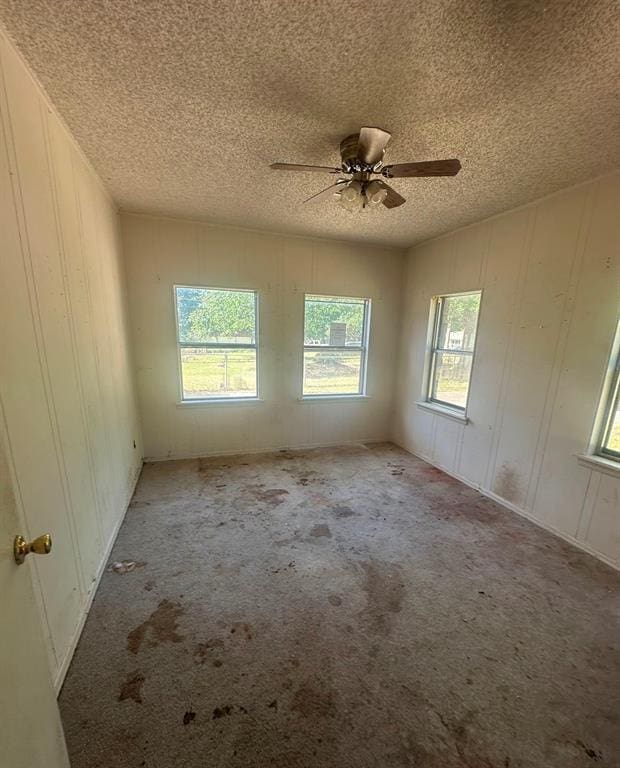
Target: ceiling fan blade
[371,144]
[325,192]
[428,168]
[393,199]
[295,167]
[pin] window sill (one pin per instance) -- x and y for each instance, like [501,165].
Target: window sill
[330,398]
[599,464]
[220,401]
[443,411]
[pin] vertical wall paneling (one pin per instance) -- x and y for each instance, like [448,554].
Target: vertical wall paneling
[66,386]
[550,276]
[160,252]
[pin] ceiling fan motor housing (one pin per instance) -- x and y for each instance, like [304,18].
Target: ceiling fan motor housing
[351,163]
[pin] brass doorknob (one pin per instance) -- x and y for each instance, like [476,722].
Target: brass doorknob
[42,545]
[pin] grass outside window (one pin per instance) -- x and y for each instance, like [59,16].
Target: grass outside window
[336,330]
[217,332]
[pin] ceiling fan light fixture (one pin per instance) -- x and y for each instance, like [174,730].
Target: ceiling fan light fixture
[351,197]
[361,156]
[375,194]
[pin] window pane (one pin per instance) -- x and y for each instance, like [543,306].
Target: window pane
[332,372]
[334,321]
[218,373]
[208,315]
[612,442]
[451,378]
[459,316]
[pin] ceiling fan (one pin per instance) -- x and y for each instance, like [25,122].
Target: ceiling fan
[362,160]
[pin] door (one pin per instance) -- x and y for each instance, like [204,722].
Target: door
[30,730]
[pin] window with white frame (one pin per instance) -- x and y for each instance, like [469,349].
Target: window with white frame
[454,320]
[607,432]
[216,332]
[336,330]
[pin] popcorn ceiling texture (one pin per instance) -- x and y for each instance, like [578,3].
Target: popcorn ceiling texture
[182,105]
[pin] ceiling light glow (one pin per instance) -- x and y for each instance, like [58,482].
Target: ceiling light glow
[375,194]
[351,197]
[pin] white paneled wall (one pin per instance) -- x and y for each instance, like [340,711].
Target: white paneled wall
[550,276]
[160,252]
[66,385]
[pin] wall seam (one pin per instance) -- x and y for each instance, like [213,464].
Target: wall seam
[527,246]
[71,323]
[104,507]
[74,340]
[560,350]
[54,420]
[130,341]
[114,399]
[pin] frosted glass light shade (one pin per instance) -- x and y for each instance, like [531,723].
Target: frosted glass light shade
[375,193]
[351,197]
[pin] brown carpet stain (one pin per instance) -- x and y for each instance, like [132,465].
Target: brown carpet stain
[342,511]
[312,702]
[161,624]
[385,593]
[321,531]
[468,752]
[208,465]
[202,650]
[291,565]
[429,473]
[242,628]
[221,712]
[335,600]
[306,477]
[132,687]
[593,754]
[474,511]
[188,717]
[272,496]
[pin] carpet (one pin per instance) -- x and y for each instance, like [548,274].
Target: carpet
[341,608]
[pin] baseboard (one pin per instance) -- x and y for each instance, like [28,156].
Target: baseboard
[296,447]
[517,510]
[63,668]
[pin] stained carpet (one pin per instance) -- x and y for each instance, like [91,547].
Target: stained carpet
[341,608]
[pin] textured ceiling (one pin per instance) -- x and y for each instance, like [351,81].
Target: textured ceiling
[181,105]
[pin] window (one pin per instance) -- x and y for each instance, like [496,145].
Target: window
[335,345]
[216,331]
[607,439]
[454,322]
